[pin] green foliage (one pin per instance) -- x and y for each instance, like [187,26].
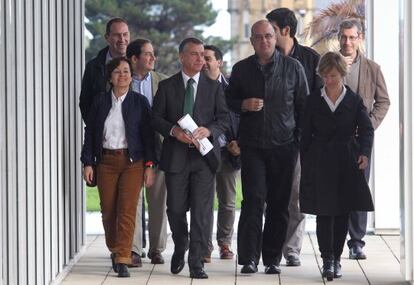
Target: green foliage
[92,199]
[165,22]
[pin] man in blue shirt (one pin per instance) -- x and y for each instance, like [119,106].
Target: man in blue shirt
[145,81]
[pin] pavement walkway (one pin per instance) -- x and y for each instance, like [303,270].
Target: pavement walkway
[381,268]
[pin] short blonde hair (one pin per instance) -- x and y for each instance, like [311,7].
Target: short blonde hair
[332,60]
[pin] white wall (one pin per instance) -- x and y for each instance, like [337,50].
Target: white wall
[385,175]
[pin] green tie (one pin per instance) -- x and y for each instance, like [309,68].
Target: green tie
[189,97]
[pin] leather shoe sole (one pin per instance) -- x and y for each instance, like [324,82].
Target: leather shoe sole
[198,274]
[272,269]
[249,268]
[177,264]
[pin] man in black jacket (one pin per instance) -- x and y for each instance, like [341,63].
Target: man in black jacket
[284,22]
[268,89]
[94,81]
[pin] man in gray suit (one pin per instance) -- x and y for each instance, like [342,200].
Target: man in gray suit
[145,81]
[189,176]
[364,78]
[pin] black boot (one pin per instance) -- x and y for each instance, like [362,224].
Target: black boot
[337,268]
[328,269]
[122,270]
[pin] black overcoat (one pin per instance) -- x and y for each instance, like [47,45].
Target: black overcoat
[331,183]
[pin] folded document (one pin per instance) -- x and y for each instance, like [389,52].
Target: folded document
[189,126]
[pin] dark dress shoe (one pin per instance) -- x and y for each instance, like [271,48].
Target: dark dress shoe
[292,260]
[156,257]
[328,269]
[177,263]
[251,267]
[272,269]
[114,265]
[225,252]
[337,269]
[135,260]
[122,270]
[356,252]
[198,273]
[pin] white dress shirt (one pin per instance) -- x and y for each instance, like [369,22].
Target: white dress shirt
[196,78]
[114,128]
[331,104]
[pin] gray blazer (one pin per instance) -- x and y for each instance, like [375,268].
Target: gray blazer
[210,111]
[373,90]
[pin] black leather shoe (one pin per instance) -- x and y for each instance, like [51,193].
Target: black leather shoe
[272,269]
[337,269]
[251,267]
[177,263]
[356,252]
[114,265]
[328,269]
[292,260]
[123,270]
[156,257]
[198,273]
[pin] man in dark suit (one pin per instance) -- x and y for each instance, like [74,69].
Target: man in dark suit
[230,165]
[189,176]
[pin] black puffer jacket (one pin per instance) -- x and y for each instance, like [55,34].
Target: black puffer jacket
[94,82]
[282,84]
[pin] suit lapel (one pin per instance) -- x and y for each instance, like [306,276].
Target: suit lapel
[178,92]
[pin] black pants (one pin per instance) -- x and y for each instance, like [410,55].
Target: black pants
[358,220]
[331,233]
[191,189]
[266,177]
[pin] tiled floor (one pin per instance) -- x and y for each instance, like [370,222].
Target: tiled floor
[381,268]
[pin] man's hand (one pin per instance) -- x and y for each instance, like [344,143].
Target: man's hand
[233,148]
[149,176]
[201,133]
[180,135]
[88,174]
[363,161]
[349,61]
[252,104]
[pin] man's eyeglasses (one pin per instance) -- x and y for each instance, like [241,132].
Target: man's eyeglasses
[258,37]
[344,38]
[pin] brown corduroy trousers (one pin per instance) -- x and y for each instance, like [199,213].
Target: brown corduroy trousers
[119,183]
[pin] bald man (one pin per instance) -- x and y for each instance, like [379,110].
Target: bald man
[268,90]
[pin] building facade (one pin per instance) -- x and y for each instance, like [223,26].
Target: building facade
[41,198]
[244,13]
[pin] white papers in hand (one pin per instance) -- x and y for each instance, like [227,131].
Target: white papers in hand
[188,125]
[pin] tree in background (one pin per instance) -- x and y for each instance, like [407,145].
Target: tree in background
[165,22]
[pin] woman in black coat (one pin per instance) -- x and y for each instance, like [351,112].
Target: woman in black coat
[336,142]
